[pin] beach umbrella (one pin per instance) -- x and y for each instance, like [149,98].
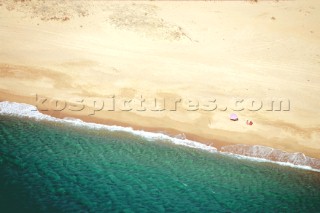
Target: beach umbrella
[233,117]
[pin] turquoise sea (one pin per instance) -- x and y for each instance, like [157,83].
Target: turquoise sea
[54,167]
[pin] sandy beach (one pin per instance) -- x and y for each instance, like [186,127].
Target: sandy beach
[106,62]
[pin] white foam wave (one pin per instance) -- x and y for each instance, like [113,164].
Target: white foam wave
[263,160]
[297,159]
[29,111]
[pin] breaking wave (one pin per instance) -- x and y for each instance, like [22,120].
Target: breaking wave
[29,111]
[255,153]
[296,159]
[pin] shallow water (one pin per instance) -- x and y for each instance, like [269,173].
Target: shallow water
[54,167]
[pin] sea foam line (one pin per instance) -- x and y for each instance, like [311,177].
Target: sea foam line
[30,111]
[263,160]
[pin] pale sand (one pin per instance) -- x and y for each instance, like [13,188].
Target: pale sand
[194,50]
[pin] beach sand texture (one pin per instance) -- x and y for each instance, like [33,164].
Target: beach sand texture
[269,50]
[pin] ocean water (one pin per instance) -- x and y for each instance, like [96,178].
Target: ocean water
[47,166]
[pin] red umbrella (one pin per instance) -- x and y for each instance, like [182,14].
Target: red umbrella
[249,123]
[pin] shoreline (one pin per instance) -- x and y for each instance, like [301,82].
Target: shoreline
[20,112]
[135,122]
[154,50]
[103,120]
